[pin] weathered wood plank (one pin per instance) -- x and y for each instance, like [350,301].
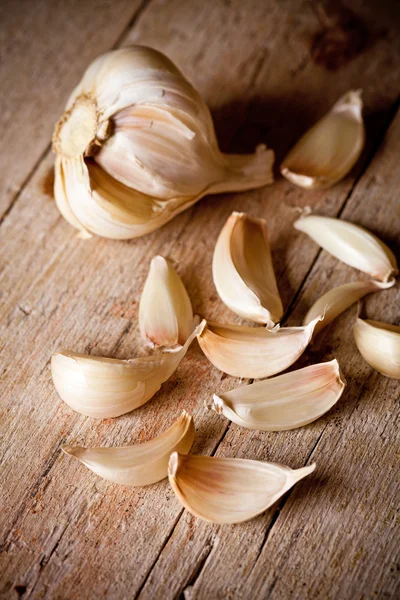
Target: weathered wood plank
[67,533]
[336,535]
[43,52]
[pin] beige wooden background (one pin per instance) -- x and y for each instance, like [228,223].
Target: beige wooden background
[268,69]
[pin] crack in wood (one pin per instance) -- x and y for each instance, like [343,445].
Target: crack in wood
[198,569]
[137,14]
[50,463]
[46,558]
[4,547]
[121,337]
[170,534]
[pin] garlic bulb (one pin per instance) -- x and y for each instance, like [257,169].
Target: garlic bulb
[243,272]
[340,298]
[142,464]
[330,149]
[165,310]
[351,244]
[136,146]
[379,344]
[229,490]
[283,402]
[254,352]
[107,387]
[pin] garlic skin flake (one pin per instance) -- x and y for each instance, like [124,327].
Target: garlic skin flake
[165,310]
[351,244]
[229,490]
[136,146]
[142,464]
[379,345]
[284,402]
[254,352]
[107,387]
[340,298]
[330,149]
[243,272]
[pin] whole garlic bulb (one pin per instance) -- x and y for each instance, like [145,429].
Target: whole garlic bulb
[136,145]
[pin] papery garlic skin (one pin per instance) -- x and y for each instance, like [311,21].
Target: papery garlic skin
[243,272]
[351,244]
[107,387]
[284,402]
[340,298]
[229,490]
[142,464]
[136,146]
[254,352]
[330,149]
[165,310]
[379,344]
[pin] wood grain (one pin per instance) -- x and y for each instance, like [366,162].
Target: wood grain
[66,533]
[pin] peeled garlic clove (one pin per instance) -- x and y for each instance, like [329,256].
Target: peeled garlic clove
[107,387]
[340,299]
[330,149]
[229,490]
[351,244]
[254,352]
[379,344]
[165,310]
[142,464]
[243,272]
[284,402]
[136,146]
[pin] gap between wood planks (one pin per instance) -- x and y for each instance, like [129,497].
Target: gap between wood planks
[277,511]
[120,40]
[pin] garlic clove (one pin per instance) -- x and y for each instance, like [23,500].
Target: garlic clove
[379,344]
[340,298]
[142,464]
[254,352]
[136,146]
[351,244]
[62,199]
[136,152]
[330,149]
[107,387]
[229,490]
[243,272]
[105,207]
[283,402]
[165,310]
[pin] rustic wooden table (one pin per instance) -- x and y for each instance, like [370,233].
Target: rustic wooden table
[268,69]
